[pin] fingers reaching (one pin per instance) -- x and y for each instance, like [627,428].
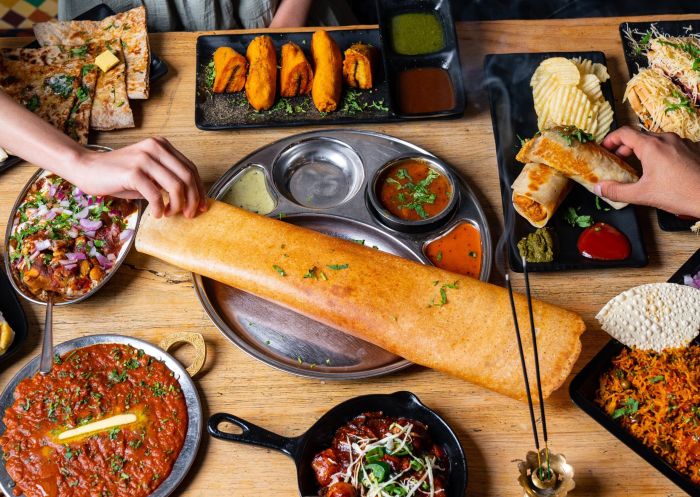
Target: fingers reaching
[620,192]
[625,141]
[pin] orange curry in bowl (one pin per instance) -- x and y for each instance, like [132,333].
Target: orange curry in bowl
[459,250]
[413,191]
[84,387]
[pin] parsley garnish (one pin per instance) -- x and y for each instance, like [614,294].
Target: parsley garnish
[279,270]
[682,104]
[116,377]
[443,294]
[571,133]
[209,75]
[574,219]
[631,406]
[113,433]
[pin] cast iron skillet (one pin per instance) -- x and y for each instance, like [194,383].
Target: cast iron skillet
[317,438]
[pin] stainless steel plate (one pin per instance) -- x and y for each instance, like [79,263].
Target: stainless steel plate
[194,407]
[282,338]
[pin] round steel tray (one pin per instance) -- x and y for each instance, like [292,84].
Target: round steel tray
[194,407]
[289,341]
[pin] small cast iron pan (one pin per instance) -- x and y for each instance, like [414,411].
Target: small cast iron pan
[317,438]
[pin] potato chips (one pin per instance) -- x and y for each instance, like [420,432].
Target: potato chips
[568,92]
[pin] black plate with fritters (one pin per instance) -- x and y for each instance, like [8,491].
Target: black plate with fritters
[635,59]
[158,67]
[585,384]
[513,116]
[14,315]
[232,110]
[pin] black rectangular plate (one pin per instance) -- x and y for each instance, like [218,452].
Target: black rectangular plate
[667,221]
[14,315]
[447,58]
[232,111]
[585,384]
[513,115]
[158,67]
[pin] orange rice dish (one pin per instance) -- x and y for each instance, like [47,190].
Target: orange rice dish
[656,398]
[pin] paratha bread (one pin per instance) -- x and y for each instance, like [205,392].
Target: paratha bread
[110,107]
[586,163]
[383,299]
[126,28]
[537,193]
[48,91]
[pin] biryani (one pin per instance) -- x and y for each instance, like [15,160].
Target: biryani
[656,398]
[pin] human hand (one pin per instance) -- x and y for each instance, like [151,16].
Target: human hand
[671,177]
[142,170]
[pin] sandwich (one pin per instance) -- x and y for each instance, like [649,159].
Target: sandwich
[679,59]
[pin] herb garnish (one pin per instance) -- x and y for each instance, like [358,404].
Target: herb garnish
[209,75]
[338,267]
[61,84]
[642,45]
[311,273]
[443,294]
[657,379]
[689,48]
[631,406]
[682,104]
[33,103]
[116,377]
[79,51]
[574,219]
[279,270]
[571,133]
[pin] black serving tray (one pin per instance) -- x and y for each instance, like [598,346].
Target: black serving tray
[14,314]
[158,67]
[667,221]
[513,116]
[447,58]
[585,384]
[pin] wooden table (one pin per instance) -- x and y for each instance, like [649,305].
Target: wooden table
[149,299]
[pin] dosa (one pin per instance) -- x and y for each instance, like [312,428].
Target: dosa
[392,302]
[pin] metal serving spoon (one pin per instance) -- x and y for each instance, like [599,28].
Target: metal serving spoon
[46,360]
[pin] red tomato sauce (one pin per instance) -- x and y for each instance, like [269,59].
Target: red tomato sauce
[411,190]
[86,385]
[603,242]
[458,251]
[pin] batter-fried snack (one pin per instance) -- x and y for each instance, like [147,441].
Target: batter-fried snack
[328,77]
[358,64]
[230,69]
[261,85]
[296,74]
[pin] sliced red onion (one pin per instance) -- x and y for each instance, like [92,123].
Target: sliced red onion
[73,233]
[126,235]
[83,213]
[77,191]
[111,257]
[64,203]
[104,262]
[70,267]
[42,245]
[90,201]
[34,255]
[50,215]
[692,281]
[89,234]
[75,256]
[93,251]
[90,225]
[115,212]
[42,210]
[60,195]
[52,190]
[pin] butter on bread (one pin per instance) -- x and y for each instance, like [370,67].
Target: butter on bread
[106,60]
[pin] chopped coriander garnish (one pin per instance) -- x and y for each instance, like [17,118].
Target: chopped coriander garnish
[657,379]
[438,257]
[576,220]
[682,104]
[311,273]
[338,267]
[630,407]
[279,270]
[571,133]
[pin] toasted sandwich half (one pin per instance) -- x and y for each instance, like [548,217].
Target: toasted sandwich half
[679,59]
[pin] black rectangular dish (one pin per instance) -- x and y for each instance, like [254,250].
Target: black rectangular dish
[14,314]
[446,58]
[158,67]
[513,117]
[585,384]
[631,32]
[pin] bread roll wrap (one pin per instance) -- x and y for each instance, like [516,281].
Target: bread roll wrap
[537,193]
[587,163]
[230,69]
[296,75]
[261,84]
[381,298]
[328,75]
[358,65]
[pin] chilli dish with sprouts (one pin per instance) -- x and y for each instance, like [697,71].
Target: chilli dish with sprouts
[380,456]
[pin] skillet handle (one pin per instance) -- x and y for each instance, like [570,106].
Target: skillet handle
[252,434]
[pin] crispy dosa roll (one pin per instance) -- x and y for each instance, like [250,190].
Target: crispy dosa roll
[296,74]
[375,296]
[662,106]
[358,64]
[328,77]
[537,193]
[261,85]
[574,154]
[229,70]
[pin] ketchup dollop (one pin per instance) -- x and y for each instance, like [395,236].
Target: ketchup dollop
[604,242]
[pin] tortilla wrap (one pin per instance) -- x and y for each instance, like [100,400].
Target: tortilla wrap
[537,193]
[586,163]
[391,302]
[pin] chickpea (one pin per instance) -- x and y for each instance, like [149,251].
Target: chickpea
[96,273]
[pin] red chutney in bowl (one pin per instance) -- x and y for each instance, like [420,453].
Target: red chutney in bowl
[86,385]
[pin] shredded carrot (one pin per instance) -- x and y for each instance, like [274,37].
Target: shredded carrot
[656,398]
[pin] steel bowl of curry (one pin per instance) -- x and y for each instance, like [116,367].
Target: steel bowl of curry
[116,416]
[413,194]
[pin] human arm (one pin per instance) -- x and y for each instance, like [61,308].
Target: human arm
[671,176]
[142,170]
[291,14]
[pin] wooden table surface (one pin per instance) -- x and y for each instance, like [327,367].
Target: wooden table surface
[149,299]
